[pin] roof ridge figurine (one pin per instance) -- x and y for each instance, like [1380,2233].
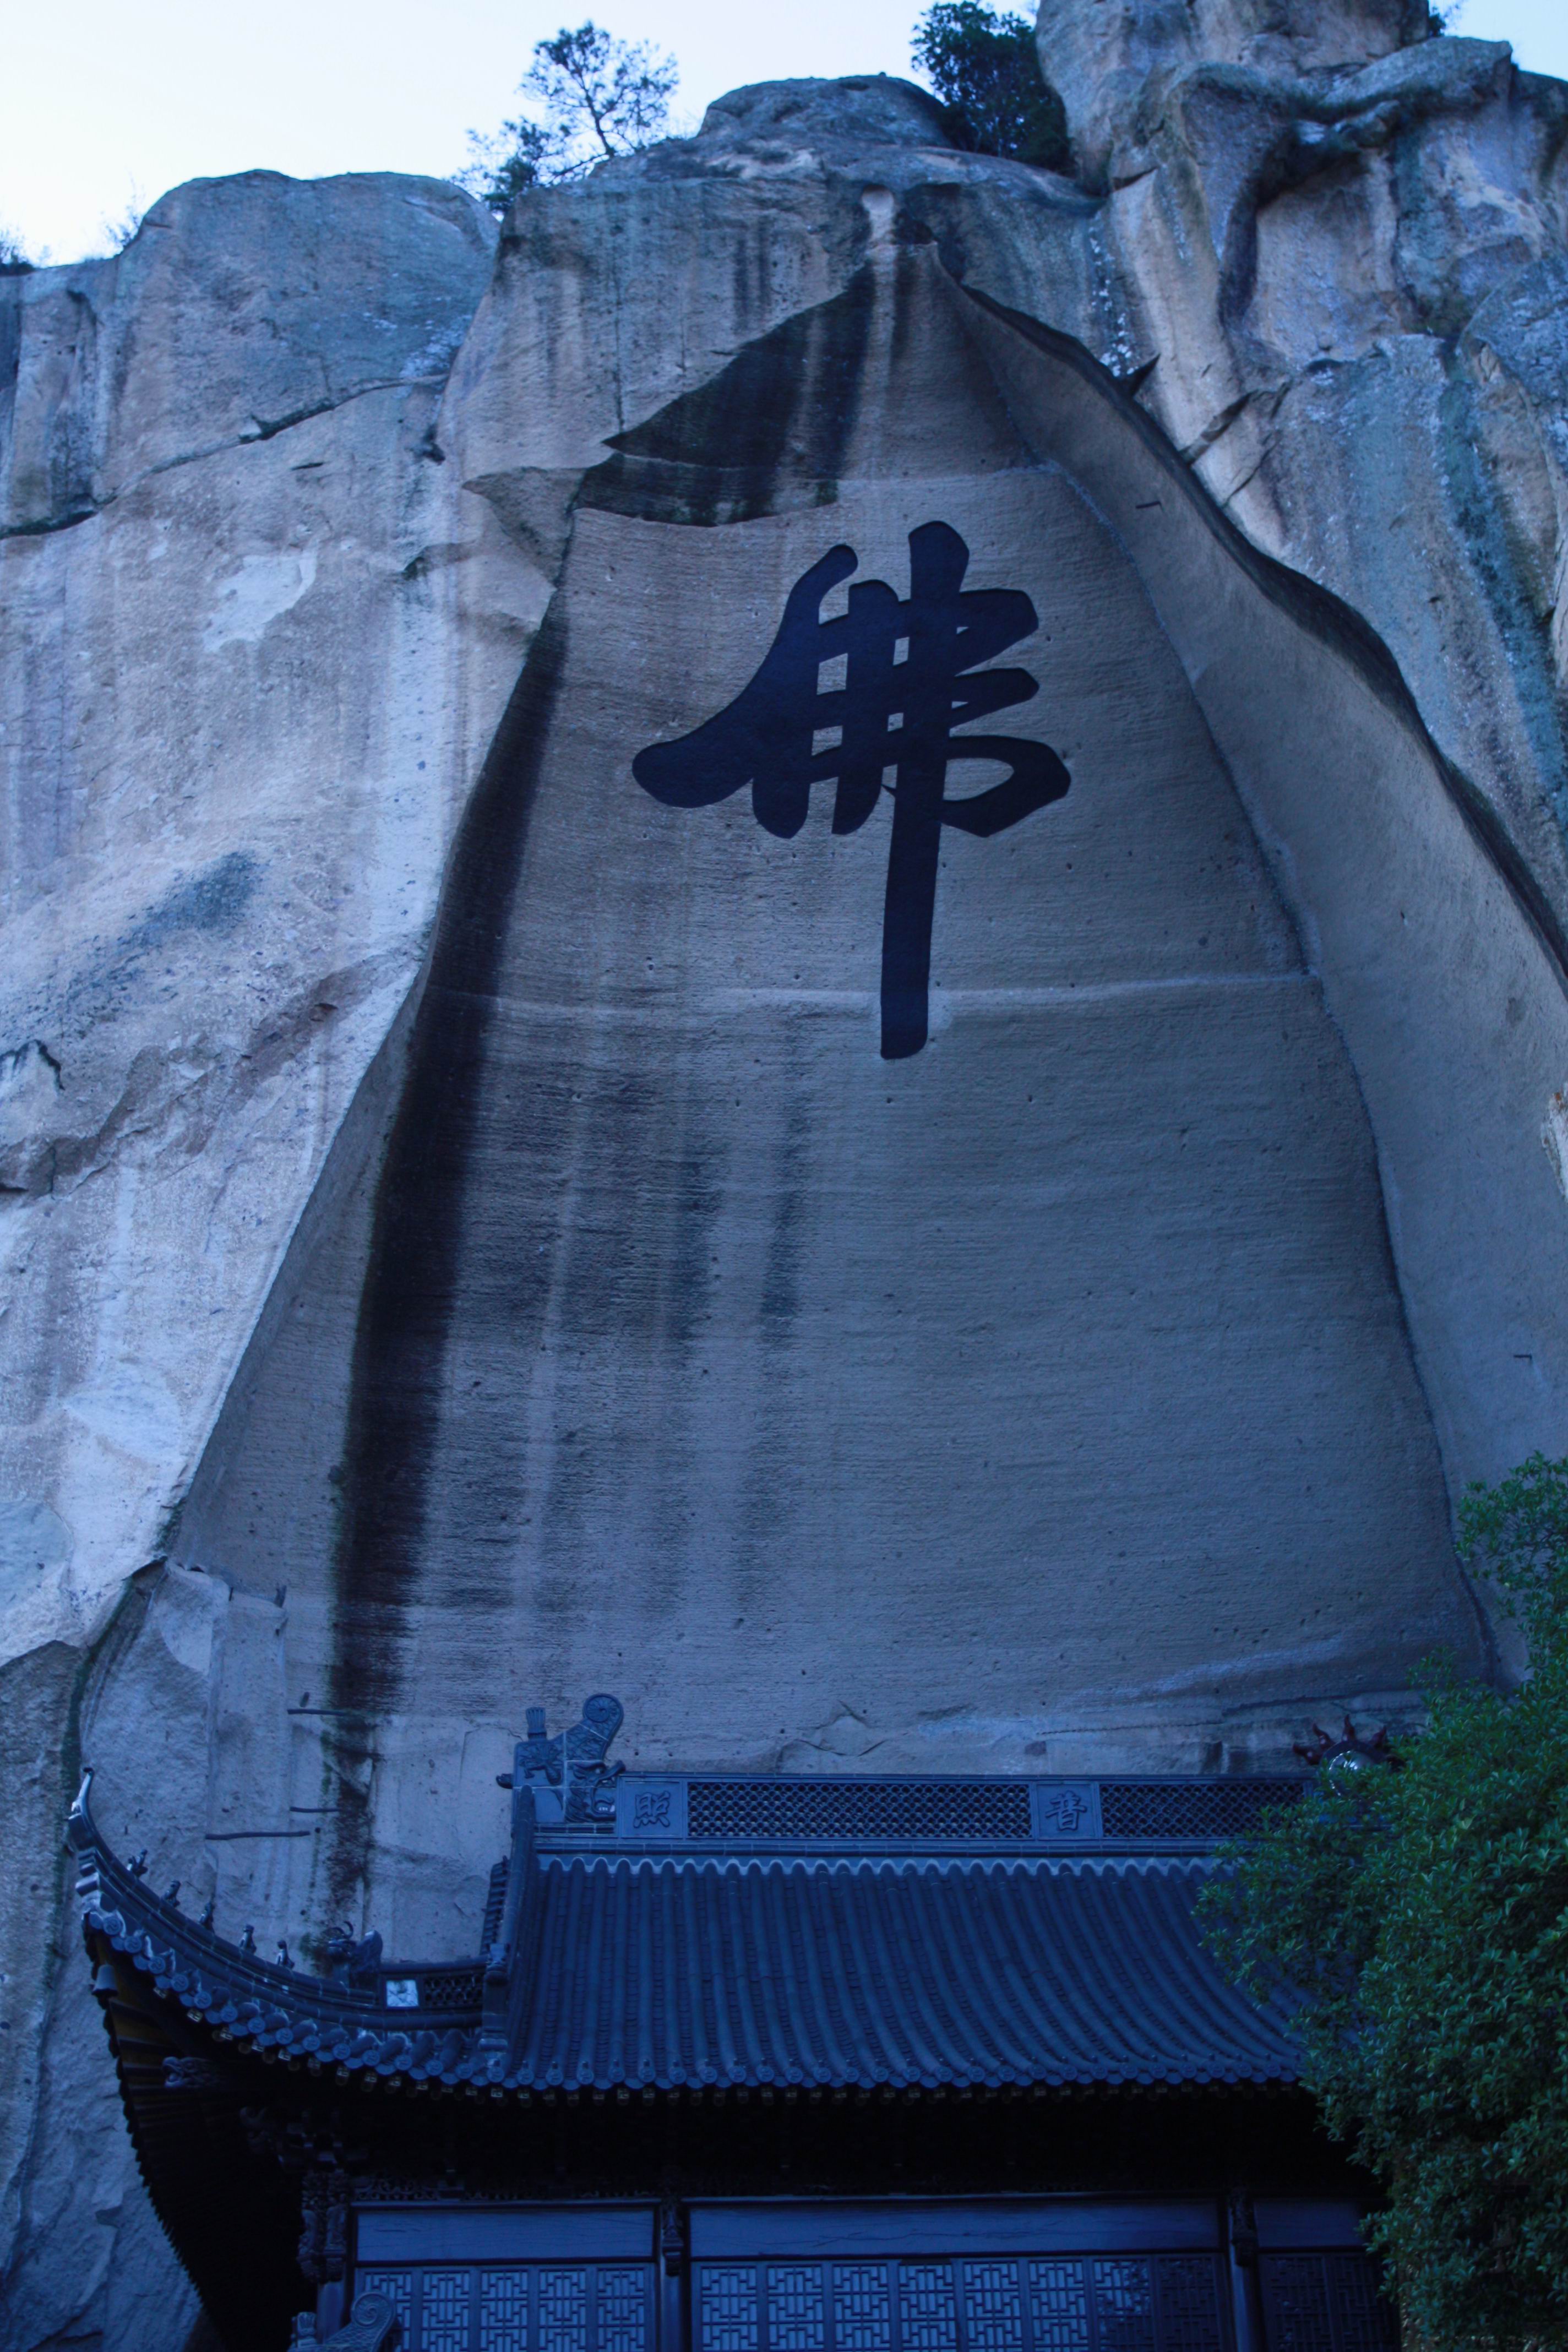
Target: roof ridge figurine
[569,1776]
[371,2326]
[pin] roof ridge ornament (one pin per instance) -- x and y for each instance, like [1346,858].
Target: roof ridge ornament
[371,2326]
[353,1959]
[569,1775]
[1346,1750]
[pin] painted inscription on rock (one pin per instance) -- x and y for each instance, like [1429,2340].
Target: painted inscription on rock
[704,1262]
[901,676]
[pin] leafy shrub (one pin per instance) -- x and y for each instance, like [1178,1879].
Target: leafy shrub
[1418,1916]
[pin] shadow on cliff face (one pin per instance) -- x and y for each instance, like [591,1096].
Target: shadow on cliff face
[774,425]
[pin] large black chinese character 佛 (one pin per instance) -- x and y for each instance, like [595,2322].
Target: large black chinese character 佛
[910,678]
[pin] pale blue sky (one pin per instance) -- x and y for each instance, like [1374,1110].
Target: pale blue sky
[103,107]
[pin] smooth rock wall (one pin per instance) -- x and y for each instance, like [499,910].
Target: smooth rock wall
[240,710]
[954,1412]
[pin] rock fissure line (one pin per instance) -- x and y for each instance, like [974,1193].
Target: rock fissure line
[265,431]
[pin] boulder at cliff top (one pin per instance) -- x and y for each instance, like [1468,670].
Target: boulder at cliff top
[1100,53]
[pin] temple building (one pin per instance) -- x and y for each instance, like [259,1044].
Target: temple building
[752,2063]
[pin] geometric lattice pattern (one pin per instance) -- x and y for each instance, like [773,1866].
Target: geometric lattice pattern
[992,2307]
[1189,1809]
[1123,2306]
[797,2307]
[1059,2306]
[398,2288]
[1168,2304]
[1298,2296]
[928,2307]
[853,1810]
[503,2311]
[563,2310]
[1186,2285]
[522,2308]
[1364,2317]
[862,2307]
[622,2310]
[454,1990]
[1326,2303]
[444,2311]
[731,2308]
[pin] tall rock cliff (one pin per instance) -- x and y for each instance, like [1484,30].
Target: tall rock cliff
[483,1218]
[232,720]
[1342,249]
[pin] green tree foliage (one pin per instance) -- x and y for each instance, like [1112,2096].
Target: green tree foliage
[612,95]
[502,164]
[14,257]
[985,68]
[1418,1916]
[597,97]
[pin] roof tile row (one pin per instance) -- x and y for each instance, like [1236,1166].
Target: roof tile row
[661,1973]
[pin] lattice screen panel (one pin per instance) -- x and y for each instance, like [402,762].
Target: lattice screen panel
[1189,1809]
[858,1808]
[848,1812]
[1326,2303]
[1165,2303]
[521,2307]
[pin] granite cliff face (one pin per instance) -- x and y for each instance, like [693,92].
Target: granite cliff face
[1343,253]
[464,1246]
[223,861]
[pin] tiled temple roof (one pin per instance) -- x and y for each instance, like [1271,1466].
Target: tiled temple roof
[883,1974]
[671,1972]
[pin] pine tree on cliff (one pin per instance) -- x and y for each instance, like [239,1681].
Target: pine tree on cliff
[597,97]
[985,68]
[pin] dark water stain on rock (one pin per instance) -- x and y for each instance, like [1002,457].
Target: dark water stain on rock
[215,900]
[404,1311]
[772,429]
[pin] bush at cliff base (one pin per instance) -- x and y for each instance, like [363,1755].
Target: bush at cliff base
[1417,1915]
